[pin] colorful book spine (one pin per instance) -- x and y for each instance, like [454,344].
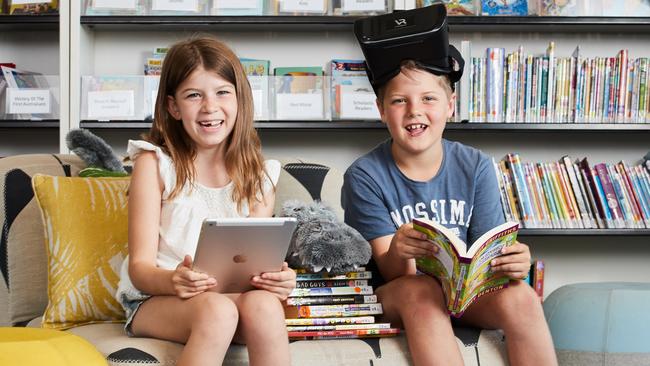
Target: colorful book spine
[610,195]
[329,311]
[330,321]
[303,328]
[354,275]
[338,334]
[331,300]
[331,283]
[332,291]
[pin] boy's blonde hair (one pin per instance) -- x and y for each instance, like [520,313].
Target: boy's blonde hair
[413,65]
[243,158]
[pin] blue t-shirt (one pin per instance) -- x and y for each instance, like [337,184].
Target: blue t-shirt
[463,196]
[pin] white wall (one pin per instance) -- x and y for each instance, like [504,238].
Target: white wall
[568,259]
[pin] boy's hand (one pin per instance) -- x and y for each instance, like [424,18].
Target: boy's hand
[188,283]
[409,243]
[514,261]
[279,283]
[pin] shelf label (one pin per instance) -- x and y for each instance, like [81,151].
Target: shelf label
[236,4]
[113,103]
[302,6]
[363,5]
[299,105]
[114,4]
[24,2]
[28,101]
[175,5]
[259,87]
[358,104]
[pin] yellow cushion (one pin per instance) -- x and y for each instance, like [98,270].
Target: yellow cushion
[86,235]
[34,346]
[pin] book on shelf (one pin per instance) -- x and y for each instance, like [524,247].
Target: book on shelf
[104,7]
[570,194]
[360,274]
[22,7]
[454,7]
[257,72]
[351,94]
[465,272]
[27,94]
[504,7]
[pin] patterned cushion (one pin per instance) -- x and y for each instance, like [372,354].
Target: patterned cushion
[23,275]
[86,236]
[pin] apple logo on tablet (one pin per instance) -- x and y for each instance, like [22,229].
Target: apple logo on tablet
[239,258]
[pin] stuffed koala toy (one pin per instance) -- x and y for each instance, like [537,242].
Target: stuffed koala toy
[321,241]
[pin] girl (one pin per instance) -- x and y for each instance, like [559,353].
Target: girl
[201,159]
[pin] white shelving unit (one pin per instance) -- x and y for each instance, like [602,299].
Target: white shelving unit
[118,46]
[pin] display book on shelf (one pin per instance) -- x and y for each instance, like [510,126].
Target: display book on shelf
[568,194]
[324,306]
[27,95]
[550,88]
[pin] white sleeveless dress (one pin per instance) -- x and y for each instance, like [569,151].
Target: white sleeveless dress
[181,218]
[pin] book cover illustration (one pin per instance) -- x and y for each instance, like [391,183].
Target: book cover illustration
[454,7]
[22,79]
[33,7]
[299,80]
[559,8]
[349,77]
[504,7]
[465,273]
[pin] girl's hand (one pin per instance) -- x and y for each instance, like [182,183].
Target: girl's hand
[188,283]
[278,283]
[409,243]
[514,261]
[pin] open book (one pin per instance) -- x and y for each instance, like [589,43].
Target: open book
[465,273]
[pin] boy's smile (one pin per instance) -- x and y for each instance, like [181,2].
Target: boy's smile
[415,108]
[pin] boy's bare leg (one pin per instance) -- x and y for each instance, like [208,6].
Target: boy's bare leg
[417,304]
[206,324]
[518,312]
[262,328]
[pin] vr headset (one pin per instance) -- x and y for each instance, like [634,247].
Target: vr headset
[419,35]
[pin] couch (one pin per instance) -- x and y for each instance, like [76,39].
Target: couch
[24,277]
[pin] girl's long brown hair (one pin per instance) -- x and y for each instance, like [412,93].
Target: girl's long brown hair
[243,158]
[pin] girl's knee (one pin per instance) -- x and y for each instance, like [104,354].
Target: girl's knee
[259,304]
[214,311]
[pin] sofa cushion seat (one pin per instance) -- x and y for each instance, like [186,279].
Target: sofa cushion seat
[478,347]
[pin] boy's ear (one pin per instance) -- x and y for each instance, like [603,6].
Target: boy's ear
[172,107]
[452,105]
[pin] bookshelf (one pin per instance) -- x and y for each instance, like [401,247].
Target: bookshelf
[117,45]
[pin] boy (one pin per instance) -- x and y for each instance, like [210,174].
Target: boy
[417,173]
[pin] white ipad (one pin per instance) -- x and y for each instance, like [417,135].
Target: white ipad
[233,250]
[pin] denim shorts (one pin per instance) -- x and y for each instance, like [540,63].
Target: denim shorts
[131,304]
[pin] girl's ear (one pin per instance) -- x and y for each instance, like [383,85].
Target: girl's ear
[172,108]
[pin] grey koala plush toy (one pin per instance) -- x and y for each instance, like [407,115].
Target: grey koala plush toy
[321,241]
[96,153]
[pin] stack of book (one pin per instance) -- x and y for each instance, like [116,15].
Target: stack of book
[324,306]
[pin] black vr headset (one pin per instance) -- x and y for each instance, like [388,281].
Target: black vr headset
[419,35]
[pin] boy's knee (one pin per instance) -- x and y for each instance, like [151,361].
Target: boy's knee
[519,301]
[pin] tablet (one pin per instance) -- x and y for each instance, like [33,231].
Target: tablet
[233,250]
